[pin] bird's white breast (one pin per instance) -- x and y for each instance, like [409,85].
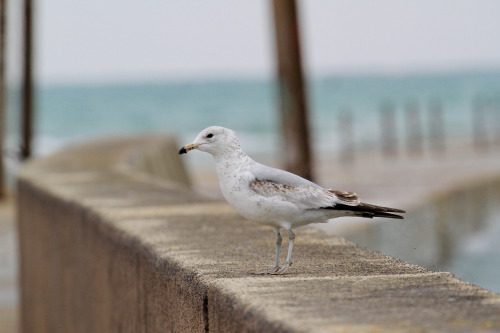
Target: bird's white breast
[234,179]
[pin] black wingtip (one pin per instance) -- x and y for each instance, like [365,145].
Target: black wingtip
[388,215]
[369,211]
[182,151]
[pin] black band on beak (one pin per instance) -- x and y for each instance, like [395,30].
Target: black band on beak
[182,151]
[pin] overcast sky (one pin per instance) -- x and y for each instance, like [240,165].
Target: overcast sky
[114,40]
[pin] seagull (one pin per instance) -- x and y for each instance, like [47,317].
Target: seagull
[274,197]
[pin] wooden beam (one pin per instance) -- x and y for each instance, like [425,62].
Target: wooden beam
[293,101]
[27,89]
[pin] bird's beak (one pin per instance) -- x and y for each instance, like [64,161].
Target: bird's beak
[187,148]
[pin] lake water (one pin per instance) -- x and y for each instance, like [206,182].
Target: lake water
[73,113]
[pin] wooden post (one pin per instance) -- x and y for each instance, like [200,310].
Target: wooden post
[413,128]
[388,130]
[293,103]
[496,115]
[27,89]
[436,127]
[478,123]
[2,94]
[346,137]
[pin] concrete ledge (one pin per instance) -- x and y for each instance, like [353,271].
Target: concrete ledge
[105,248]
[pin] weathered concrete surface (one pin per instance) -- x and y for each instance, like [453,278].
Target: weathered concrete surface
[105,249]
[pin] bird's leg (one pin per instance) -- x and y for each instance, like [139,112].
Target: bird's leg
[289,256]
[278,247]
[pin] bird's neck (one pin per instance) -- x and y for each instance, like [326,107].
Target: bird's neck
[229,160]
[233,153]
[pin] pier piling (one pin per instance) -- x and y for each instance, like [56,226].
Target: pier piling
[479,132]
[436,127]
[346,137]
[293,102]
[413,128]
[388,130]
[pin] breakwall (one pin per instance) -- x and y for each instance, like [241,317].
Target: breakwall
[106,245]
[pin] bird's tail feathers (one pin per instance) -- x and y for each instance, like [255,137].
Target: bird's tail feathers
[369,210]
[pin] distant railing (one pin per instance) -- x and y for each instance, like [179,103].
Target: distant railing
[418,136]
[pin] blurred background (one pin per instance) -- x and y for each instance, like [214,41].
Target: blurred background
[112,67]
[410,91]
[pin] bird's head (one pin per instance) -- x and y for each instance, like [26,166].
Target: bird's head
[213,140]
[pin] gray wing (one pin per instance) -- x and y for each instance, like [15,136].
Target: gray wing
[262,172]
[271,182]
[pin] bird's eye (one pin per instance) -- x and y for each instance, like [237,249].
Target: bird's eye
[210,135]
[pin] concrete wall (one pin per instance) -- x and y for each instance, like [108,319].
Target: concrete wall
[107,248]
